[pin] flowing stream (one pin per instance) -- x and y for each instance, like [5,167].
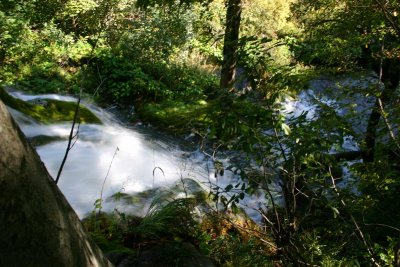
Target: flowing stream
[133,159]
[125,158]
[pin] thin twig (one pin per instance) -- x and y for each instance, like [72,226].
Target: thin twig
[71,137]
[101,81]
[76,135]
[383,225]
[388,126]
[274,207]
[105,178]
[280,143]
[380,102]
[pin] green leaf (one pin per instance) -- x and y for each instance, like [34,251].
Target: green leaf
[234,208]
[286,129]
[335,212]
[228,188]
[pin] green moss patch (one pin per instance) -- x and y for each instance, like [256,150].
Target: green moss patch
[176,116]
[51,111]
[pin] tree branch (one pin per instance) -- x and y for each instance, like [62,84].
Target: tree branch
[70,138]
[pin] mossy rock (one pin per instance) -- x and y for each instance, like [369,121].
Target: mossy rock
[50,111]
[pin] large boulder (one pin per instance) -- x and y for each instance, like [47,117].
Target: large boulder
[38,227]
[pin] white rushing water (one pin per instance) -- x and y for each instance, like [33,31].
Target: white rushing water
[144,159]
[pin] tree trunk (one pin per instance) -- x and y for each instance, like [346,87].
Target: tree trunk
[390,70]
[38,227]
[233,16]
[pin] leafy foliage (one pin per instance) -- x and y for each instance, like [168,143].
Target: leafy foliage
[128,82]
[156,33]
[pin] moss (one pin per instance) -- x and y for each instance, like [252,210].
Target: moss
[176,116]
[52,111]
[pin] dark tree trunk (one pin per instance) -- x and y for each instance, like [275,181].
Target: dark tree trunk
[37,225]
[233,16]
[390,79]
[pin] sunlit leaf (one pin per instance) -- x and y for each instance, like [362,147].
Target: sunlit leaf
[286,129]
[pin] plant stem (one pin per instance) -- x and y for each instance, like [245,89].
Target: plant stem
[105,178]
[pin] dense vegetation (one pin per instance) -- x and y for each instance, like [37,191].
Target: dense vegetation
[173,61]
